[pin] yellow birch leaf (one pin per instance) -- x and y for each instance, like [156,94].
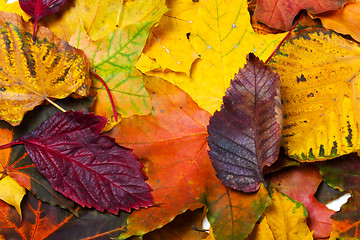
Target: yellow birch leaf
[11,192]
[168,43]
[286,218]
[222,35]
[320,95]
[342,20]
[31,73]
[101,17]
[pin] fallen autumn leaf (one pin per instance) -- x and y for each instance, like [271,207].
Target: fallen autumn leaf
[244,136]
[91,170]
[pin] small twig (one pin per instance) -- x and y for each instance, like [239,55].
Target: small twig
[109,94]
[282,41]
[55,105]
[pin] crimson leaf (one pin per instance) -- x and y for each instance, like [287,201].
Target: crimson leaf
[90,169]
[245,134]
[38,9]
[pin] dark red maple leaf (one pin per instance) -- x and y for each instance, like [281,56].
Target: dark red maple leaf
[38,9]
[90,169]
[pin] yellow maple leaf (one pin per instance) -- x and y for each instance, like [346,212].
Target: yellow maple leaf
[31,73]
[168,44]
[320,95]
[221,34]
[284,219]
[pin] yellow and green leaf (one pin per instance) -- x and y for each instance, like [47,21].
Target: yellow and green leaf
[113,59]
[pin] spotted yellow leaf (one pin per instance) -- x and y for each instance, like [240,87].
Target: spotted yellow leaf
[29,73]
[320,95]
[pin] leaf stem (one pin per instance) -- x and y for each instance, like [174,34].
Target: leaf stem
[55,105]
[4,174]
[282,41]
[16,142]
[109,94]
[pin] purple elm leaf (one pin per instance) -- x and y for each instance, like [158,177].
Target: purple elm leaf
[38,9]
[90,169]
[245,134]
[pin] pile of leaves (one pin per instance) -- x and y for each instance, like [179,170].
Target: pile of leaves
[136,119]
